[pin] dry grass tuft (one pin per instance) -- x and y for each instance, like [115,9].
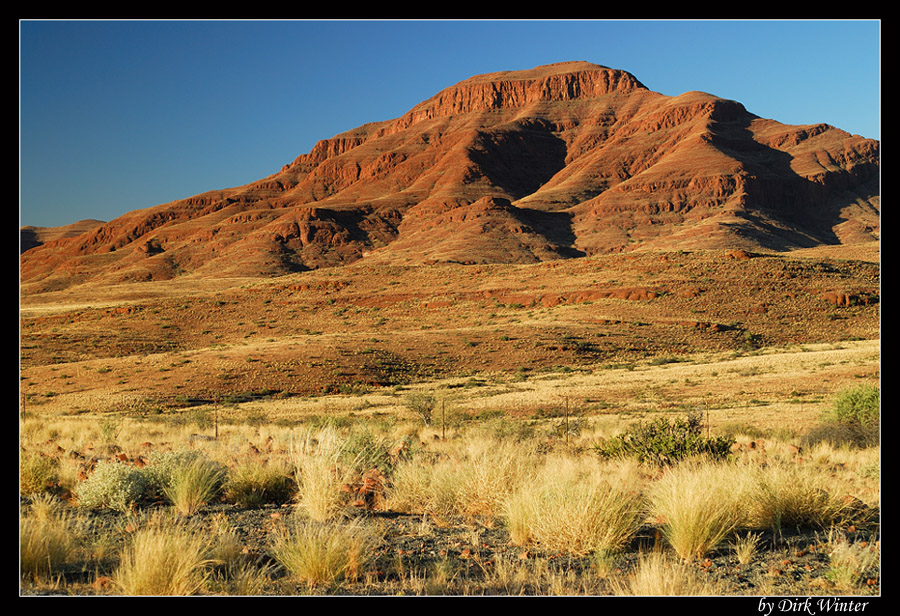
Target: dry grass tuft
[699,505]
[578,514]
[322,554]
[164,559]
[48,539]
[660,576]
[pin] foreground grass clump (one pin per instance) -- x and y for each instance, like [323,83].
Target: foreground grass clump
[322,467]
[322,554]
[793,496]
[37,474]
[48,539]
[164,560]
[473,475]
[659,575]
[852,564]
[663,442]
[565,512]
[699,505]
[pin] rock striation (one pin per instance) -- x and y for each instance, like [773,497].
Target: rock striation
[559,161]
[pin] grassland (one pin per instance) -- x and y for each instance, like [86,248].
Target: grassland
[278,419]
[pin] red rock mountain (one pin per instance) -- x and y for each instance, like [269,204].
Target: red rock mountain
[559,161]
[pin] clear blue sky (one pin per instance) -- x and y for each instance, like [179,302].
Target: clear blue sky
[122,115]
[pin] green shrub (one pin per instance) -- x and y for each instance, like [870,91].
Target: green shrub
[112,485]
[663,442]
[858,405]
[854,419]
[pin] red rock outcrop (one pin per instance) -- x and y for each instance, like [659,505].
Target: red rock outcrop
[559,161]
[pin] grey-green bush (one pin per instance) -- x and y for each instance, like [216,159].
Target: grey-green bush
[112,485]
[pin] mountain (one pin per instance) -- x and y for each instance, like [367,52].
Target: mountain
[556,162]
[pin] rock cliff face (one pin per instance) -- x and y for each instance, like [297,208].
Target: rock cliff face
[559,161]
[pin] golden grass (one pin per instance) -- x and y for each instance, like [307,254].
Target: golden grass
[564,510]
[321,467]
[698,505]
[194,484]
[164,559]
[659,575]
[48,539]
[470,476]
[321,554]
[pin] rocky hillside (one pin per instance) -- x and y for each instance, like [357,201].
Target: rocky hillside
[559,161]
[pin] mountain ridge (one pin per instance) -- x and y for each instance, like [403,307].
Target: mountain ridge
[559,161]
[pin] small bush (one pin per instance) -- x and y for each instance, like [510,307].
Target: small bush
[663,442]
[162,466]
[422,404]
[854,419]
[112,485]
[858,405]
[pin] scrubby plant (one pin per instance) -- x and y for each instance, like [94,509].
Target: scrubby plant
[422,404]
[322,554]
[853,419]
[252,485]
[859,405]
[112,485]
[664,442]
[163,465]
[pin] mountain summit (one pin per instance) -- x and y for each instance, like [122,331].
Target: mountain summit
[560,161]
